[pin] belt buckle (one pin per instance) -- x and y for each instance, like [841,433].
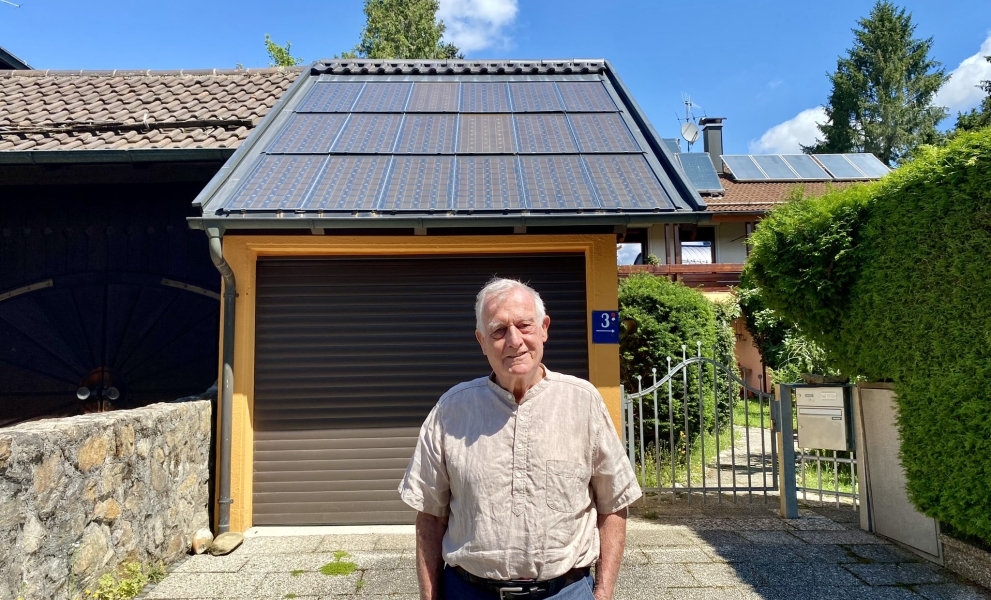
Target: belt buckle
[504,590]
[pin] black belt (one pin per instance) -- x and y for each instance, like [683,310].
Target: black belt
[531,589]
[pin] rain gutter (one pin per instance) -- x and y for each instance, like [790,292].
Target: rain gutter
[136,156]
[224,499]
[352,223]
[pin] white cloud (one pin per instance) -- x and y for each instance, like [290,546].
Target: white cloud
[961,93]
[473,25]
[788,137]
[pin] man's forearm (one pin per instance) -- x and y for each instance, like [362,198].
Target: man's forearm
[612,541]
[429,564]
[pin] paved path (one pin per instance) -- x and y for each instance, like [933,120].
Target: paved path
[677,552]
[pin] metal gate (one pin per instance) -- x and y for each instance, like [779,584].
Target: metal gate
[700,433]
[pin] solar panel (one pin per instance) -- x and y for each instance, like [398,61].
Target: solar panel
[383,97]
[368,133]
[544,134]
[839,167]
[427,134]
[556,182]
[698,166]
[602,132]
[330,97]
[487,183]
[484,97]
[626,181]
[774,166]
[673,144]
[586,96]
[434,97]
[419,183]
[869,164]
[348,183]
[486,134]
[743,167]
[806,167]
[534,97]
[276,182]
[308,133]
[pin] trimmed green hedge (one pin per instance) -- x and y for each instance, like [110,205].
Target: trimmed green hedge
[893,279]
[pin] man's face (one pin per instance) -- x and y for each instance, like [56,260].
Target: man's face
[513,339]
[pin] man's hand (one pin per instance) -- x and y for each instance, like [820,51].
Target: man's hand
[612,541]
[429,563]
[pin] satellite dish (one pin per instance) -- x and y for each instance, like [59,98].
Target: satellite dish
[690,132]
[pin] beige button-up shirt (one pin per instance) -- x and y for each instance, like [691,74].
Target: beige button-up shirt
[521,483]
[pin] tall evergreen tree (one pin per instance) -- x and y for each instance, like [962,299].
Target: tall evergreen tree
[980,117]
[403,29]
[882,92]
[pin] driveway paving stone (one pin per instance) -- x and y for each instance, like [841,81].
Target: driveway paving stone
[673,553]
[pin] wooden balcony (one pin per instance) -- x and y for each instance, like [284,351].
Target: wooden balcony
[716,277]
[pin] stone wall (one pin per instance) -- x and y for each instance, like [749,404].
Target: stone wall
[80,495]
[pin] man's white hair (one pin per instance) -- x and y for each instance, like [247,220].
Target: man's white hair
[498,287]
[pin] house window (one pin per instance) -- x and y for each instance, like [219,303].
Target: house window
[631,248]
[697,245]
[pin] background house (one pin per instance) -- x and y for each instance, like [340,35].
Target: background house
[738,190]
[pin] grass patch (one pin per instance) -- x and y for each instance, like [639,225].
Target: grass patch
[688,463]
[290,596]
[815,473]
[339,566]
[126,581]
[296,572]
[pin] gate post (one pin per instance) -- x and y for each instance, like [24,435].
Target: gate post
[626,407]
[787,485]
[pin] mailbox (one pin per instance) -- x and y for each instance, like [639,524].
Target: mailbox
[823,415]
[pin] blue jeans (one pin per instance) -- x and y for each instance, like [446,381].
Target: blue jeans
[456,588]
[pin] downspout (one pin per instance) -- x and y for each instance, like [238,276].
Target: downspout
[227,379]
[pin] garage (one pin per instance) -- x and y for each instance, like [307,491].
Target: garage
[373,342]
[353,230]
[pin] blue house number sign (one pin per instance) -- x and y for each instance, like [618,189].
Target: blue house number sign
[605,327]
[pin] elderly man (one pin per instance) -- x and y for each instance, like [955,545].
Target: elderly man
[519,478]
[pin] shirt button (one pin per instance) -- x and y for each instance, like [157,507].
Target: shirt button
[518,474]
[519,446]
[521,417]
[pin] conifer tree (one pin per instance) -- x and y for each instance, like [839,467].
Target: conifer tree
[882,91]
[403,29]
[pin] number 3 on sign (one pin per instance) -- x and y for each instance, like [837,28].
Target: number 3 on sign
[605,327]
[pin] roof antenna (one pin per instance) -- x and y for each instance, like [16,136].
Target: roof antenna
[689,130]
[11,3]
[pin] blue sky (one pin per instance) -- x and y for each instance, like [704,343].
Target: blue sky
[762,64]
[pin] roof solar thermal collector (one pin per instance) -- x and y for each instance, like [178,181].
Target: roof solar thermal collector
[839,167]
[698,167]
[775,167]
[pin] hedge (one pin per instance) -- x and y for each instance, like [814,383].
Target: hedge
[668,316]
[893,279]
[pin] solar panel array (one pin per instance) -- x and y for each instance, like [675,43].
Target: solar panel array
[804,167]
[454,146]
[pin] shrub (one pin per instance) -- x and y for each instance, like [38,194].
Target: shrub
[893,279]
[669,316]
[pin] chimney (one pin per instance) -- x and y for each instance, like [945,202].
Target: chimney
[712,139]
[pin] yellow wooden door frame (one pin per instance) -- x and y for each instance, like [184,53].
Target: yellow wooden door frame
[242,254]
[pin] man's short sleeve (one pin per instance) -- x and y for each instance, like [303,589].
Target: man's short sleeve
[614,484]
[425,486]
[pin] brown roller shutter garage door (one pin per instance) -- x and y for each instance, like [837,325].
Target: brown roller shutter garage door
[351,355]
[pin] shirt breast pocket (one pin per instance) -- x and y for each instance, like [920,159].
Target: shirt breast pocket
[567,485]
